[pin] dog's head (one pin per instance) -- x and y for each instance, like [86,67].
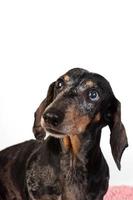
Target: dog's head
[76,101]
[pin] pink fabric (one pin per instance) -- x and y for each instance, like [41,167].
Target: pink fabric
[119,193]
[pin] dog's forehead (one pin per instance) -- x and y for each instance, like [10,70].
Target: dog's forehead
[79,76]
[76,74]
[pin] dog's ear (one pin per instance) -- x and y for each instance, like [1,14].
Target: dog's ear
[38,131]
[118,138]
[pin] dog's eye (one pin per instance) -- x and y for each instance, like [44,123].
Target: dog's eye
[93,95]
[59,84]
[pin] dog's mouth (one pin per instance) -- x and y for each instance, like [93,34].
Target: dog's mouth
[55,133]
[52,131]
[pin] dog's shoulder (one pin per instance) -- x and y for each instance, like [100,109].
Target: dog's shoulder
[13,161]
[18,152]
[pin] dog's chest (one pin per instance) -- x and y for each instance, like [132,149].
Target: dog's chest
[74,179]
[65,182]
[43,182]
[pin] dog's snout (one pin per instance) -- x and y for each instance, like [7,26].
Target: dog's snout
[53,118]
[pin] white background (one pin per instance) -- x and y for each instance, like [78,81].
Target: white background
[40,40]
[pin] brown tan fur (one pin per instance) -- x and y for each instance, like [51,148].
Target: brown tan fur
[89,84]
[79,122]
[97,117]
[75,143]
[67,142]
[72,143]
[66,78]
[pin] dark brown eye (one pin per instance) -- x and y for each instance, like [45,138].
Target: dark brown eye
[60,84]
[93,95]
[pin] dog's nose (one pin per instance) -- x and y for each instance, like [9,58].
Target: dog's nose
[53,118]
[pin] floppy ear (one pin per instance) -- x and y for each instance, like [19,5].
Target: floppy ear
[118,138]
[38,131]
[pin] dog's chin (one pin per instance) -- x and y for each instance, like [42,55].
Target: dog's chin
[56,134]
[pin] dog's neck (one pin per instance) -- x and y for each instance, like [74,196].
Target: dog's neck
[81,157]
[71,143]
[87,143]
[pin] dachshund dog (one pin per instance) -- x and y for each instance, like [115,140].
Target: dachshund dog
[69,164]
